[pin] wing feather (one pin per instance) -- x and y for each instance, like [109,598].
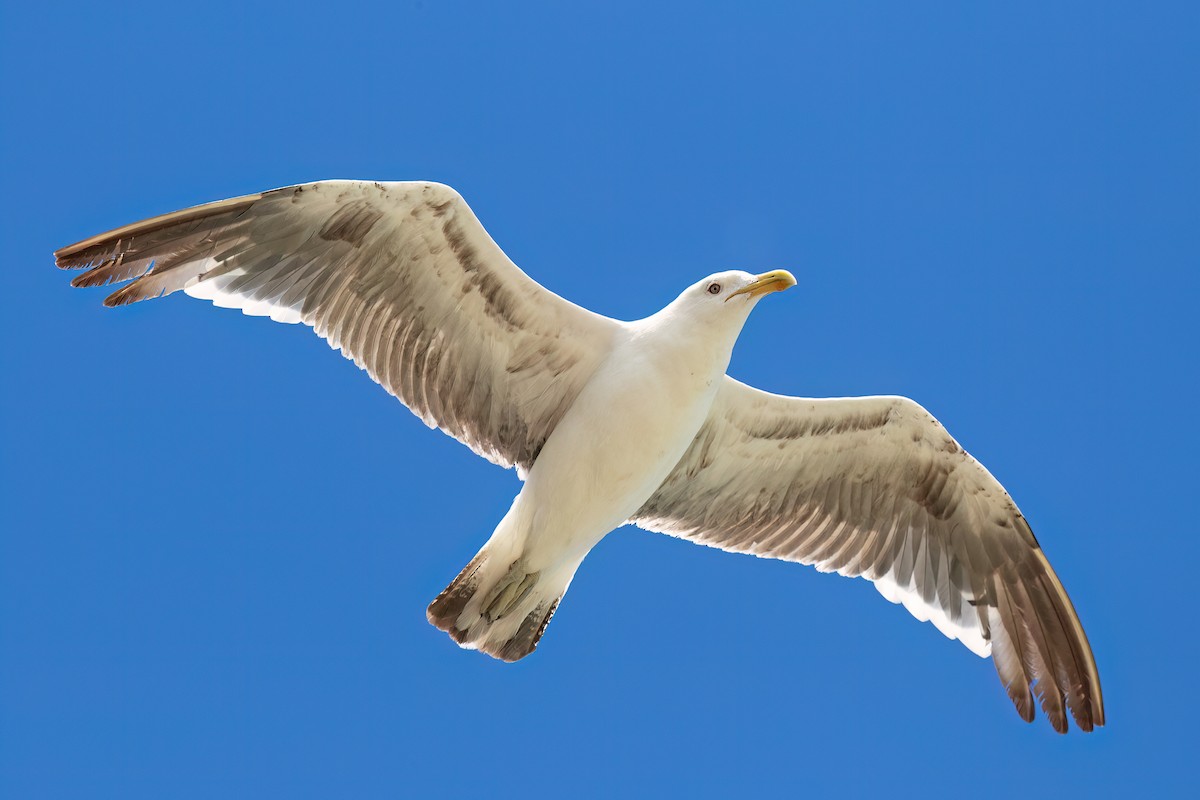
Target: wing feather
[875,487]
[401,277]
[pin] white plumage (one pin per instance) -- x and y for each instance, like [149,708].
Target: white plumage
[610,422]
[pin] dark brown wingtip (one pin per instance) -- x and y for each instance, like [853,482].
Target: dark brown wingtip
[1084,696]
[121,297]
[69,258]
[85,280]
[73,256]
[1038,644]
[103,253]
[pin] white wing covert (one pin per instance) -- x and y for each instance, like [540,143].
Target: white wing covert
[401,277]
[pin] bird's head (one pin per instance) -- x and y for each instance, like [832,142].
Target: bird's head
[732,293]
[716,308]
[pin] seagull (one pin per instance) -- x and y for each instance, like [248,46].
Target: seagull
[610,422]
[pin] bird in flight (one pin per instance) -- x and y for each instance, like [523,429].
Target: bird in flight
[610,422]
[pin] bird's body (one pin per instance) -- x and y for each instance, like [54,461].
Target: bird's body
[610,422]
[625,432]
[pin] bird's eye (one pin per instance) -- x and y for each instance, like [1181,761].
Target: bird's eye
[714,288]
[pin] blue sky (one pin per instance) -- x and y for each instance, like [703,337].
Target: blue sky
[219,538]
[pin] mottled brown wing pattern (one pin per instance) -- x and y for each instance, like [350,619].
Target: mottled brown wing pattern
[875,487]
[401,277]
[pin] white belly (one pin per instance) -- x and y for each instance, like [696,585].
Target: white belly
[614,447]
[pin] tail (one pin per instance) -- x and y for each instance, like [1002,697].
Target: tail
[499,606]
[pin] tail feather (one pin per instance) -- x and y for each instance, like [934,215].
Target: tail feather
[499,608]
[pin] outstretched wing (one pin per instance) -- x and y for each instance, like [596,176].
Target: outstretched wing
[875,487]
[401,277]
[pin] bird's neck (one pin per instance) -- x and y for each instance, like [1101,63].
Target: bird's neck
[687,345]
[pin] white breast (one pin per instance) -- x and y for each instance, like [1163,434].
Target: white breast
[628,428]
